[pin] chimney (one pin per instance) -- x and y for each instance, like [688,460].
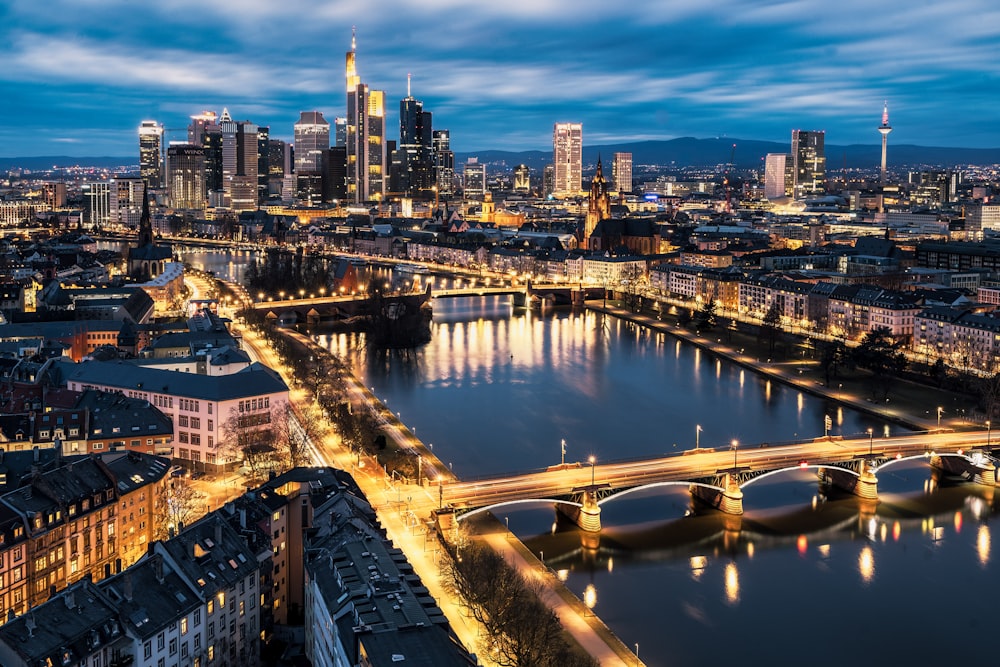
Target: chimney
[35,451]
[69,599]
[158,568]
[218,531]
[243,510]
[127,586]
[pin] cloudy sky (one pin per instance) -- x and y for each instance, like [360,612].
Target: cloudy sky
[78,76]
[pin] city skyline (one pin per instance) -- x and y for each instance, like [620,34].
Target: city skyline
[80,80]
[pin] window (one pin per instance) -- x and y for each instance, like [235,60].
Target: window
[182,420]
[195,422]
[173,645]
[160,642]
[147,650]
[184,627]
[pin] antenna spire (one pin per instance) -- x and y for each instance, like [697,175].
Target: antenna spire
[354,38]
[408,85]
[885,114]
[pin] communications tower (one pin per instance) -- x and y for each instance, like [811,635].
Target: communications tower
[884,129]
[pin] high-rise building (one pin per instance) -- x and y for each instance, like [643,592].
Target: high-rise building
[808,163]
[204,131]
[474,179]
[548,180]
[567,155]
[97,203]
[340,132]
[621,172]
[186,176]
[884,129]
[365,135]
[263,162]
[335,174]
[125,201]
[151,153]
[312,137]
[413,161]
[777,175]
[444,162]
[239,162]
[522,178]
[55,194]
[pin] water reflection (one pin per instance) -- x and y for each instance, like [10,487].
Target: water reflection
[866,564]
[732,583]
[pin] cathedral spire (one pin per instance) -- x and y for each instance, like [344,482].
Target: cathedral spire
[145,223]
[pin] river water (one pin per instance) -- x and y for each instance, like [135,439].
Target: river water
[801,578]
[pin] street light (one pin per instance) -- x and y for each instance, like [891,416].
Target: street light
[989,431]
[735,444]
[940,410]
[869,441]
[697,432]
[593,461]
[562,461]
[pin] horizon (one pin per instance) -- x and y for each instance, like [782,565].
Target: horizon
[502,76]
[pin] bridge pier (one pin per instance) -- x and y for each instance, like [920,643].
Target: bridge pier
[867,484]
[731,500]
[589,518]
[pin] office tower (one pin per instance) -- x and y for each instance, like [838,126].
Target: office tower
[777,175]
[621,172]
[151,153]
[340,132]
[548,180]
[413,161]
[808,163]
[239,162]
[884,129]
[54,194]
[522,178]
[312,137]
[474,179]
[204,131]
[276,149]
[97,203]
[444,161]
[186,176]
[335,174]
[365,135]
[263,162]
[567,155]
[125,201]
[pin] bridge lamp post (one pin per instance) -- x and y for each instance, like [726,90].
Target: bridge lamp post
[989,432]
[593,461]
[870,444]
[939,411]
[735,444]
[562,461]
[697,432]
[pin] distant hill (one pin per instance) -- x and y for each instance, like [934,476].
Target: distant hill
[685,151]
[688,151]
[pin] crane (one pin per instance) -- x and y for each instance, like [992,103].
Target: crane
[725,181]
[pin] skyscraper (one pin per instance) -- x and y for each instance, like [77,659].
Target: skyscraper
[474,179]
[186,176]
[444,161]
[777,175]
[365,135]
[239,162]
[522,178]
[204,131]
[312,137]
[621,172]
[884,129]
[151,153]
[414,159]
[808,163]
[567,155]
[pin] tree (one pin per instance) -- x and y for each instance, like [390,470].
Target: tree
[706,317]
[634,282]
[292,432]
[182,506]
[770,327]
[881,355]
[248,437]
[832,357]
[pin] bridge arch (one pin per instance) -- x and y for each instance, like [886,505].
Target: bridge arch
[816,466]
[657,484]
[927,456]
[527,501]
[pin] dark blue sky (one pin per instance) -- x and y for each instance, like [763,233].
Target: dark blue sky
[78,76]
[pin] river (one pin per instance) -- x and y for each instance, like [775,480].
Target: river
[802,578]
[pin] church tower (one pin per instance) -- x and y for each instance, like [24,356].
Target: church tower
[599,206]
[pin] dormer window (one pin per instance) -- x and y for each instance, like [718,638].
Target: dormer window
[43,434]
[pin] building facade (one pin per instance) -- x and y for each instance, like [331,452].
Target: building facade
[567,156]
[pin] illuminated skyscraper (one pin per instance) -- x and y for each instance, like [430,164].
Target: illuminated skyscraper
[777,175]
[186,176]
[239,162]
[312,137]
[444,161]
[365,135]
[151,153]
[474,179]
[621,172]
[808,163]
[567,155]
[415,155]
[204,131]
[884,129]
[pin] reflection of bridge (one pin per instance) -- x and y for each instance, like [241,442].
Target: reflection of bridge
[719,478]
[328,308]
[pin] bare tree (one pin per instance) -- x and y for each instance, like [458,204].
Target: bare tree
[248,437]
[182,506]
[293,431]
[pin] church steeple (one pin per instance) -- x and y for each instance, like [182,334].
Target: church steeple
[145,223]
[599,206]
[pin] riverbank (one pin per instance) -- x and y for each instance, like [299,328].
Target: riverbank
[912,406]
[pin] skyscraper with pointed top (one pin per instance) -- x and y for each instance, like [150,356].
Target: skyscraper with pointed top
[366,146]
[413,161]
[884,129]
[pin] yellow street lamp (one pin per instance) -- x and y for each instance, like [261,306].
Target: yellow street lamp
[593,462]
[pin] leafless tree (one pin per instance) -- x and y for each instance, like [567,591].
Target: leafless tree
[248,437]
